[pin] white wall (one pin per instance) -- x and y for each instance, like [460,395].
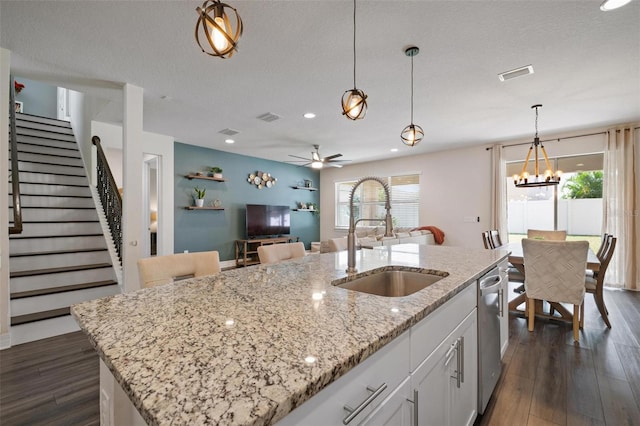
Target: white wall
[453,184]
[5,315]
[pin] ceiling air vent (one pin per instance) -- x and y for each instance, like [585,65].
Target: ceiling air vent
[268,117]
[518,72]
[229,132]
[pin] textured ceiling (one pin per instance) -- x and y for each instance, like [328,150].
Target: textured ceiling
[296,56]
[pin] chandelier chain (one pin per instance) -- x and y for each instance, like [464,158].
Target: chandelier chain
[536,122]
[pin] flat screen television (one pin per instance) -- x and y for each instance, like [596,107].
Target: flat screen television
[267,221]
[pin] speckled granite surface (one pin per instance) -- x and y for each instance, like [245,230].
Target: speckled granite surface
[249,345]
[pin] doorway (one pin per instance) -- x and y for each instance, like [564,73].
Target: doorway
[151,205]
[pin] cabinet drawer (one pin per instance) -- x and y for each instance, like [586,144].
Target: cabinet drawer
[428,333]
[388,366]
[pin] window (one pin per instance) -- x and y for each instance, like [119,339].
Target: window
[574,205]
[368,201]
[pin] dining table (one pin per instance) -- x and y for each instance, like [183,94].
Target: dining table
[516,258]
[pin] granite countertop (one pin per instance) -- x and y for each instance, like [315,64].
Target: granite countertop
[248,345]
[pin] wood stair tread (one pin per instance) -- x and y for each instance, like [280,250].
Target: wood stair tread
[45,253]
[54,290]
[31,237]
[26,117]
[38,316]
[59,270]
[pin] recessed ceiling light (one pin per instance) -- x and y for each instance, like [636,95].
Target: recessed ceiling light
[608,5]
[394,149]
[309,115]
[229,141]
[580,164]
[518,72]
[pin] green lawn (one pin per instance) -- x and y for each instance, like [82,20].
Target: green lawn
[594,240]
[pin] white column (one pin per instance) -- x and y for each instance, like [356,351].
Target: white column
[132,218]
[5,315]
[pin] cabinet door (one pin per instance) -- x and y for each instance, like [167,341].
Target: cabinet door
[446,382]
[395,410]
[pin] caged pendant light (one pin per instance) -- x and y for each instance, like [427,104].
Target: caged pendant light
[215,26]
[354,102]
[524,180]
[412,134]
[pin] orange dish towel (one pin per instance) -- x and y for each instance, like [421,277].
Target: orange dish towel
[438,234]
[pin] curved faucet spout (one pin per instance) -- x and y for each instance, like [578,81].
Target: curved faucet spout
[351,238]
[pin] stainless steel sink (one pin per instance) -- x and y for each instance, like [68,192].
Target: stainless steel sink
[392,283]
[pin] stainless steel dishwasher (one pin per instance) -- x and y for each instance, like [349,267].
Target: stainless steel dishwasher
[490,311]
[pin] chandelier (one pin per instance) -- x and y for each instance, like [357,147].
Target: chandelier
[354,101]
[412,134]
[215,25]
[549,177]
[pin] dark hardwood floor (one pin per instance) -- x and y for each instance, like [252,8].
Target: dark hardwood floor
[546,380]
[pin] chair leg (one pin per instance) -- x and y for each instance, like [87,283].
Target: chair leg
[576,323]
[598,296]
[531,310]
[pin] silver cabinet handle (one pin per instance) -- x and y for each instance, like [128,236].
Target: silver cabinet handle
[353,412]
[461,356]
[501,302]
[415,407]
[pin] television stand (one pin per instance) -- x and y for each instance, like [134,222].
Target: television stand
[247,250]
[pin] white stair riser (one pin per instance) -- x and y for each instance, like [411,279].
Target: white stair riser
[44,134]
[30,332]
[44,126]
[17,246]
[26,177]
[41,282]
[31,263]
[45,120]
[59,190]
[25,166]
[40,158]
[56,215]
[58,229]
[44,149]
[49,202]
[31,305]
[69,146]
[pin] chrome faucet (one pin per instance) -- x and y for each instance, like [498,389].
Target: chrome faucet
[351,238]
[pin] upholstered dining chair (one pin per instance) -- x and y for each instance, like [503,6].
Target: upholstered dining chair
[555,273]
[338,244]
[274,253]
[540,234]
[158,270]
[595,284]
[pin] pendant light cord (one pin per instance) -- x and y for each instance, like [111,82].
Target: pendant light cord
[354,44]
[412,89]
[536,122]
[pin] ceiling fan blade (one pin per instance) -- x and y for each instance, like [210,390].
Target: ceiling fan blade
[338,161]
[302,158]
[333,164]
[331,157]
[315,156]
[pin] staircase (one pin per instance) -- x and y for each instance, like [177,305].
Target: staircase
[61,257]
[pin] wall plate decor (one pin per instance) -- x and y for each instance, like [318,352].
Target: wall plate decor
[262,179]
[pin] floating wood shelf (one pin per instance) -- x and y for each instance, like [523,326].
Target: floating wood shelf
[304,210]
[190,176]
[308,188]
[203,208]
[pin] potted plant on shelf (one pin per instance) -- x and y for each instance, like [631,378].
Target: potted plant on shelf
[313,207]
[215,172]
[199,193]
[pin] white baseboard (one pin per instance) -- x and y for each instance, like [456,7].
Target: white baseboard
[5,341]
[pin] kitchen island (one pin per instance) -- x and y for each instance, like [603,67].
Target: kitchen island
[247,346]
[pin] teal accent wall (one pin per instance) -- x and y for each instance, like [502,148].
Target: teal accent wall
[203,230]
[38,98]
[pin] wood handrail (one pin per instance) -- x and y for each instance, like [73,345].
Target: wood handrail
[109,196]
[16,228]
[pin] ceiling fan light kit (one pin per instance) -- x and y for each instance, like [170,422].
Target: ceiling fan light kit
[608,5]
[354,101]
[412,134]
[217,29]
[317,162]
[524,180]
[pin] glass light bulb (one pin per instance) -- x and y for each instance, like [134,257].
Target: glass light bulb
[525,175]
[219,40]
[515,178]
[355,105]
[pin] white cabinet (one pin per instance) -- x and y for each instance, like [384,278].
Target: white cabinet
[447,381]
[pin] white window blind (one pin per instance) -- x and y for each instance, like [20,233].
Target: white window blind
[368,201]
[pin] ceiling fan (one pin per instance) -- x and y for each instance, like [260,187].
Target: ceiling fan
[318,162]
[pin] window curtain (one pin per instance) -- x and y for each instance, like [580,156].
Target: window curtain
[620,206]
[499,193]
